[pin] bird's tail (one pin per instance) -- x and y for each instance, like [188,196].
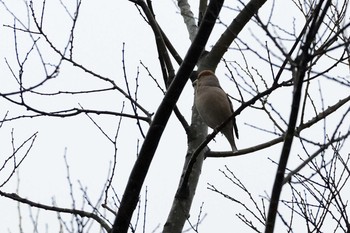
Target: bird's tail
[229,135]
[233,146]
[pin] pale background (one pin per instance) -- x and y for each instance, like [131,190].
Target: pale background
[103,27]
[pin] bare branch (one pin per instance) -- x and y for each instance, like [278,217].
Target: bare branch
[161,117]
[81,213]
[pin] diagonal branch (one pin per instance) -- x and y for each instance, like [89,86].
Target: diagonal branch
[311,157]
[143,162]
[163,43]
[301,66]
[231,33]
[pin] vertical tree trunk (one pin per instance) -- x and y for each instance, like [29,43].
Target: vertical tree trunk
[180,209]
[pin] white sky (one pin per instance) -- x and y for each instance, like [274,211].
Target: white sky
[103,27]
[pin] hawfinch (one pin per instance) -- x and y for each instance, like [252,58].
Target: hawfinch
[214,106]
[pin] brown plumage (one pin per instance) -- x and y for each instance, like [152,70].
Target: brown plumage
[214,106]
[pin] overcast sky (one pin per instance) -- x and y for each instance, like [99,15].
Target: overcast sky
[102,29]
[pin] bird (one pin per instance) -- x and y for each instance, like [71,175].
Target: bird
[214,105]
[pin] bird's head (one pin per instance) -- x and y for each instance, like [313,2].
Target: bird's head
[207,78]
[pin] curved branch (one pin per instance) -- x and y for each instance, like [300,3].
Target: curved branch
[298,130]
[81,213]
[75,112]
[75,64]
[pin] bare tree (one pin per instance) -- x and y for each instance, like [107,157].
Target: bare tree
[294,65]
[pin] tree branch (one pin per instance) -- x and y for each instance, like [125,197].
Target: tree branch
[81,213]
[298,130]
[188,17]
[143,162]
[301,64]
[226,39]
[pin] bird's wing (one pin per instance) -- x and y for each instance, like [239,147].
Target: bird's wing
[234,119]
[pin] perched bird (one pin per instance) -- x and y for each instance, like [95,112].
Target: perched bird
[214,106]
